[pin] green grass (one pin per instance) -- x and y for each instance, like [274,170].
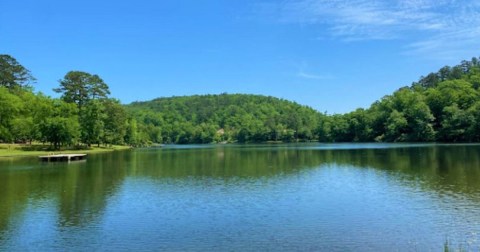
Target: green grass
[20,150]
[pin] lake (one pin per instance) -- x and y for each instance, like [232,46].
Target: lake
[331,197]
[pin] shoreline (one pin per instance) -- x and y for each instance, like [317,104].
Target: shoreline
[16,150]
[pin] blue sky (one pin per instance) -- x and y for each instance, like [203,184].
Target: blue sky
[334,55]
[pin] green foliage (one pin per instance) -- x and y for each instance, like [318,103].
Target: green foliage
[131,136]
[83,115]
[62,126]
[92,122]
[12,74]
[10,108]
[102,120]
[396,127]
[225,118]
[80,87]
[443,106]
[114,122]
[456,124]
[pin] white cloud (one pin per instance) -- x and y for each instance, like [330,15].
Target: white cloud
[311,76]
[448,44]
[428,26]
[304,71]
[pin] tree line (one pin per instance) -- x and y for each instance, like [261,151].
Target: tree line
[84,115]
[442,106]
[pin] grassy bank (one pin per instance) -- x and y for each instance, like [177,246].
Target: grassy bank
[19,150]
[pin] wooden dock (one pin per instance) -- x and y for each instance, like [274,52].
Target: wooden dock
[63,157]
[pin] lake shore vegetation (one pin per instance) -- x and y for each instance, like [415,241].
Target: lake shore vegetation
[440,107]
[36,149]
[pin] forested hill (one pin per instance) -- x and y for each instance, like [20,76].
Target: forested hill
[224,118]
[443,106]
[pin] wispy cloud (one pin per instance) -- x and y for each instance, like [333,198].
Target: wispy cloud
[428,26]
[304,71]
[311,76]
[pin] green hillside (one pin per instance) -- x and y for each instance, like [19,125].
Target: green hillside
[443,106]
[224,118]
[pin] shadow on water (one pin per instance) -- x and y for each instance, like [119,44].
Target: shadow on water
[80,191]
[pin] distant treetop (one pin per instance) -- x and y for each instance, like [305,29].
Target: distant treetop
[80,87]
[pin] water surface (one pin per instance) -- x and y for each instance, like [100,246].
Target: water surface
[340,197]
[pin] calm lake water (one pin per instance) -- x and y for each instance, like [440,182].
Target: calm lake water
[332,197]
